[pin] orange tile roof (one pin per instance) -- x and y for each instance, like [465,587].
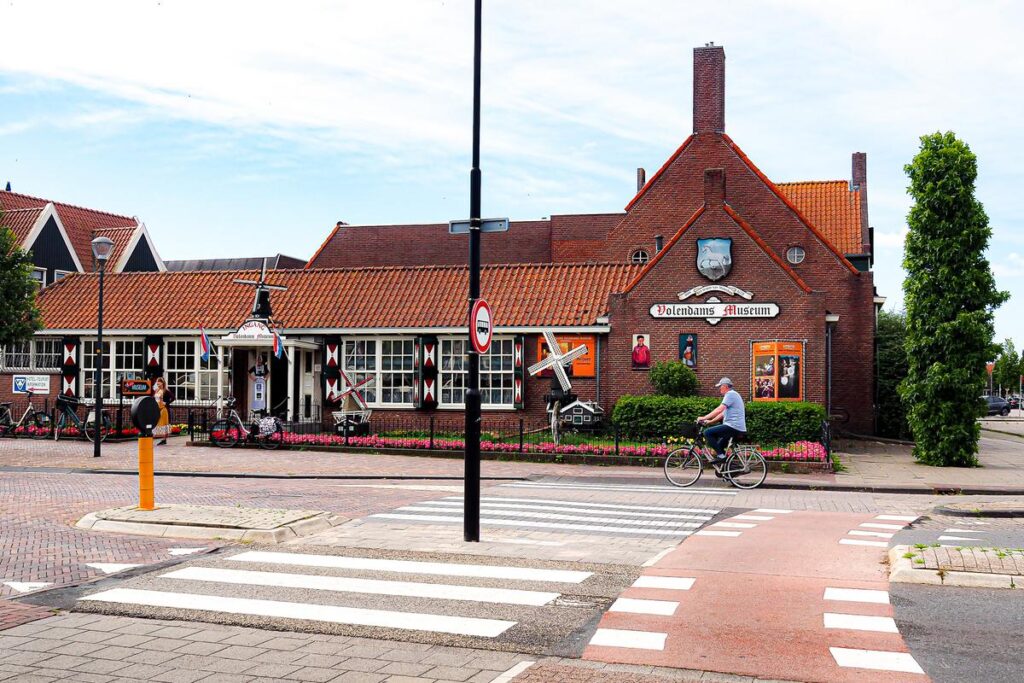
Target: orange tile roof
[20,222]
[120,237]
[833,208]
[429,296]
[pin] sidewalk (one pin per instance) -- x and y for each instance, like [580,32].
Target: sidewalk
[870,466]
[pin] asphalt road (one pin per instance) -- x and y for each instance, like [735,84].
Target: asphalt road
[962,634]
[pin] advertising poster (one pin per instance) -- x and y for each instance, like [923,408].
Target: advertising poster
[688,350]
[777,371]
[641,356]
[584,366]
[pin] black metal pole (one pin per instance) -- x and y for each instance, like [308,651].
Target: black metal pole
[97,421]
[471,488]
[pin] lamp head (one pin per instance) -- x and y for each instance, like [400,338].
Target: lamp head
[101,248]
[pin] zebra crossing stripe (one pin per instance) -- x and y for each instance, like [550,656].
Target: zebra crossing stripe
[540,525]
[626,488]
[710,532]
[550,515]
[637,640]
[407,589]
[442,504]
[854,541]
[873,525]
[859,622]
[857,595]
[662,608]
[876,660]
[754,518]
[664,582]
[896,518]
[408,621]
[873,534]
[733,525]
[773,511]
[483,571]
[575,503]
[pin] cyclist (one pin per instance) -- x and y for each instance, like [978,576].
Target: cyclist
[733,415]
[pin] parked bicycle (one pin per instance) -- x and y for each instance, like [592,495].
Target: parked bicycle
[67,417]
[744,466]
[229,431]
[33,423]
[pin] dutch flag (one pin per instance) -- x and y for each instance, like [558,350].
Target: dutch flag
[278,346]
[204,345]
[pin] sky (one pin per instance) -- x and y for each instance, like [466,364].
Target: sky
[251,128]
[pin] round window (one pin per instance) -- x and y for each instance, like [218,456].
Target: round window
[639,256]
[795,255]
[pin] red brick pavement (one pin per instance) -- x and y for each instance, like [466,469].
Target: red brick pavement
[15,614]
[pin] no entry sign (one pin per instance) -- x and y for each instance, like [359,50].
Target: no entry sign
[481,326]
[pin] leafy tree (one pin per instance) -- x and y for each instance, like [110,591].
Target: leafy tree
[892,368]
[19,315]
[674,378]
[950,296]
[1007,370]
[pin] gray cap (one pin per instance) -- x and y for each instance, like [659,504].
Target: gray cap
[724,380]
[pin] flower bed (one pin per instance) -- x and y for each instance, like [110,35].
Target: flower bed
[75,432]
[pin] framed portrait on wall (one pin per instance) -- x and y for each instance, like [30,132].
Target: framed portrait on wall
[688,350]
[641,356]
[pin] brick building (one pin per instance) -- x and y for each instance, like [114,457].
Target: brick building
[710,262]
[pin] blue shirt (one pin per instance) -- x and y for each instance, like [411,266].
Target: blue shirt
[735,412]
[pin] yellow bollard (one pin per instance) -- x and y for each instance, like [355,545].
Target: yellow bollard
[146,473]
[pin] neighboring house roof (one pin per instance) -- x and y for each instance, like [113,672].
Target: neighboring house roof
[276,262]
[833,207]
[535,295]
[121,237]
[20,222]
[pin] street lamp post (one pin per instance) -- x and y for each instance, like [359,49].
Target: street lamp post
[101,248]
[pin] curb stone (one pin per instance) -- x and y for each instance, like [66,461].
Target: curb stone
[902,570]
[297,529]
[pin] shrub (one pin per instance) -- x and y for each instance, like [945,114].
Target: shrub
[767,423]
[674,378]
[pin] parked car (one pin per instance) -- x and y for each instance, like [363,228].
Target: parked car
[1014,402]
[997,405]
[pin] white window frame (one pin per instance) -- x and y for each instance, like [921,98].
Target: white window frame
[448,375]
[114,362]
[34,356]
[61,274]
[41,281]
[639,257]
[373,366]
[793,258]
[190,373]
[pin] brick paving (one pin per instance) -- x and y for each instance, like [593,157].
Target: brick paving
[1007,561]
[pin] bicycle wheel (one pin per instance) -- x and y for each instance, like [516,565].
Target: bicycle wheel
[224,433]
[745,468]
[39,425]
[273,440]
[683,467]
[89,429]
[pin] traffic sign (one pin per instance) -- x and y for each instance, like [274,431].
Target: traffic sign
[486,225]
[481,326]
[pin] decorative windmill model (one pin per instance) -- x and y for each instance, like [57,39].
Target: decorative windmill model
[354,414]
[261,303]
[561,388]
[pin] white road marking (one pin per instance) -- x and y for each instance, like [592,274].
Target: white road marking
[541,525]
[409,487]
[754,518]
[854,541]
[876,660]
[773,511]
[627,488]
[497,508]
[184,551]
[654,560]
[112,568]
[674,583]
[857,595]
[409,567]
[897,518]
[874,525]
[733,525]
[708,532]
[513,672]
[873,534]
[858,622]
[958,538]
[610,506]
[524,541]
[525,514]
[409,621]
[663,608]
[964,531]
[26,586]
[637,640]
[409,589]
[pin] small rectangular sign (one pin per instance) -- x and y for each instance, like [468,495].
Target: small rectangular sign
[136,387]
[486,225]
[37,384]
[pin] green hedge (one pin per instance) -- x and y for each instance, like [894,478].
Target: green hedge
[767,423]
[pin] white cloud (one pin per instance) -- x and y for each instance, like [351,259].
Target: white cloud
[1011,267]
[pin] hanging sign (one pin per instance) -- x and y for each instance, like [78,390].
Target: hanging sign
[135,387]
[481,326]
[36,384]
[253,329]
[714,311]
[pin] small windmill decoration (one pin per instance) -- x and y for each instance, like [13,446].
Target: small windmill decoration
[354,416]
[261,304]
[561,388]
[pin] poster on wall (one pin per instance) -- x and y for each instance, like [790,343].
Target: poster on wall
[688,350]
[777,371]
[584,366]
[641,356]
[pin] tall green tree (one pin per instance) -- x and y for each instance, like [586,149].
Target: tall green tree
[1006,372]
[892,369]
[19,315]
[951,297]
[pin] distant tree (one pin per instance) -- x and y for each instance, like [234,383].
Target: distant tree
[674,378]
[1007,370]
[892,368]
[19,315]
[951,297]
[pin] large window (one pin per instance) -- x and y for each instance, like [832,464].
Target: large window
[37,354]
[126,360]
[180,368]
[396,360]
[387,363]
[497,375]
[360,364]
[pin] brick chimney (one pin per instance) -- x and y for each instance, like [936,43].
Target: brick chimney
[714,186]
[860,182]
[641,179]
[709,89]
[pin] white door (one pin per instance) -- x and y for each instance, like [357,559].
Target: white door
[307,385]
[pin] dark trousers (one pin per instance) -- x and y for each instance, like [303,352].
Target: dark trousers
[719,435]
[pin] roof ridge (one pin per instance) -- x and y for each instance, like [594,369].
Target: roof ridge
[119,227]
[71,206]
[814,182]
[29,208]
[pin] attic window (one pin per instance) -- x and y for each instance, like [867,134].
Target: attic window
[639,256]
[795,255]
